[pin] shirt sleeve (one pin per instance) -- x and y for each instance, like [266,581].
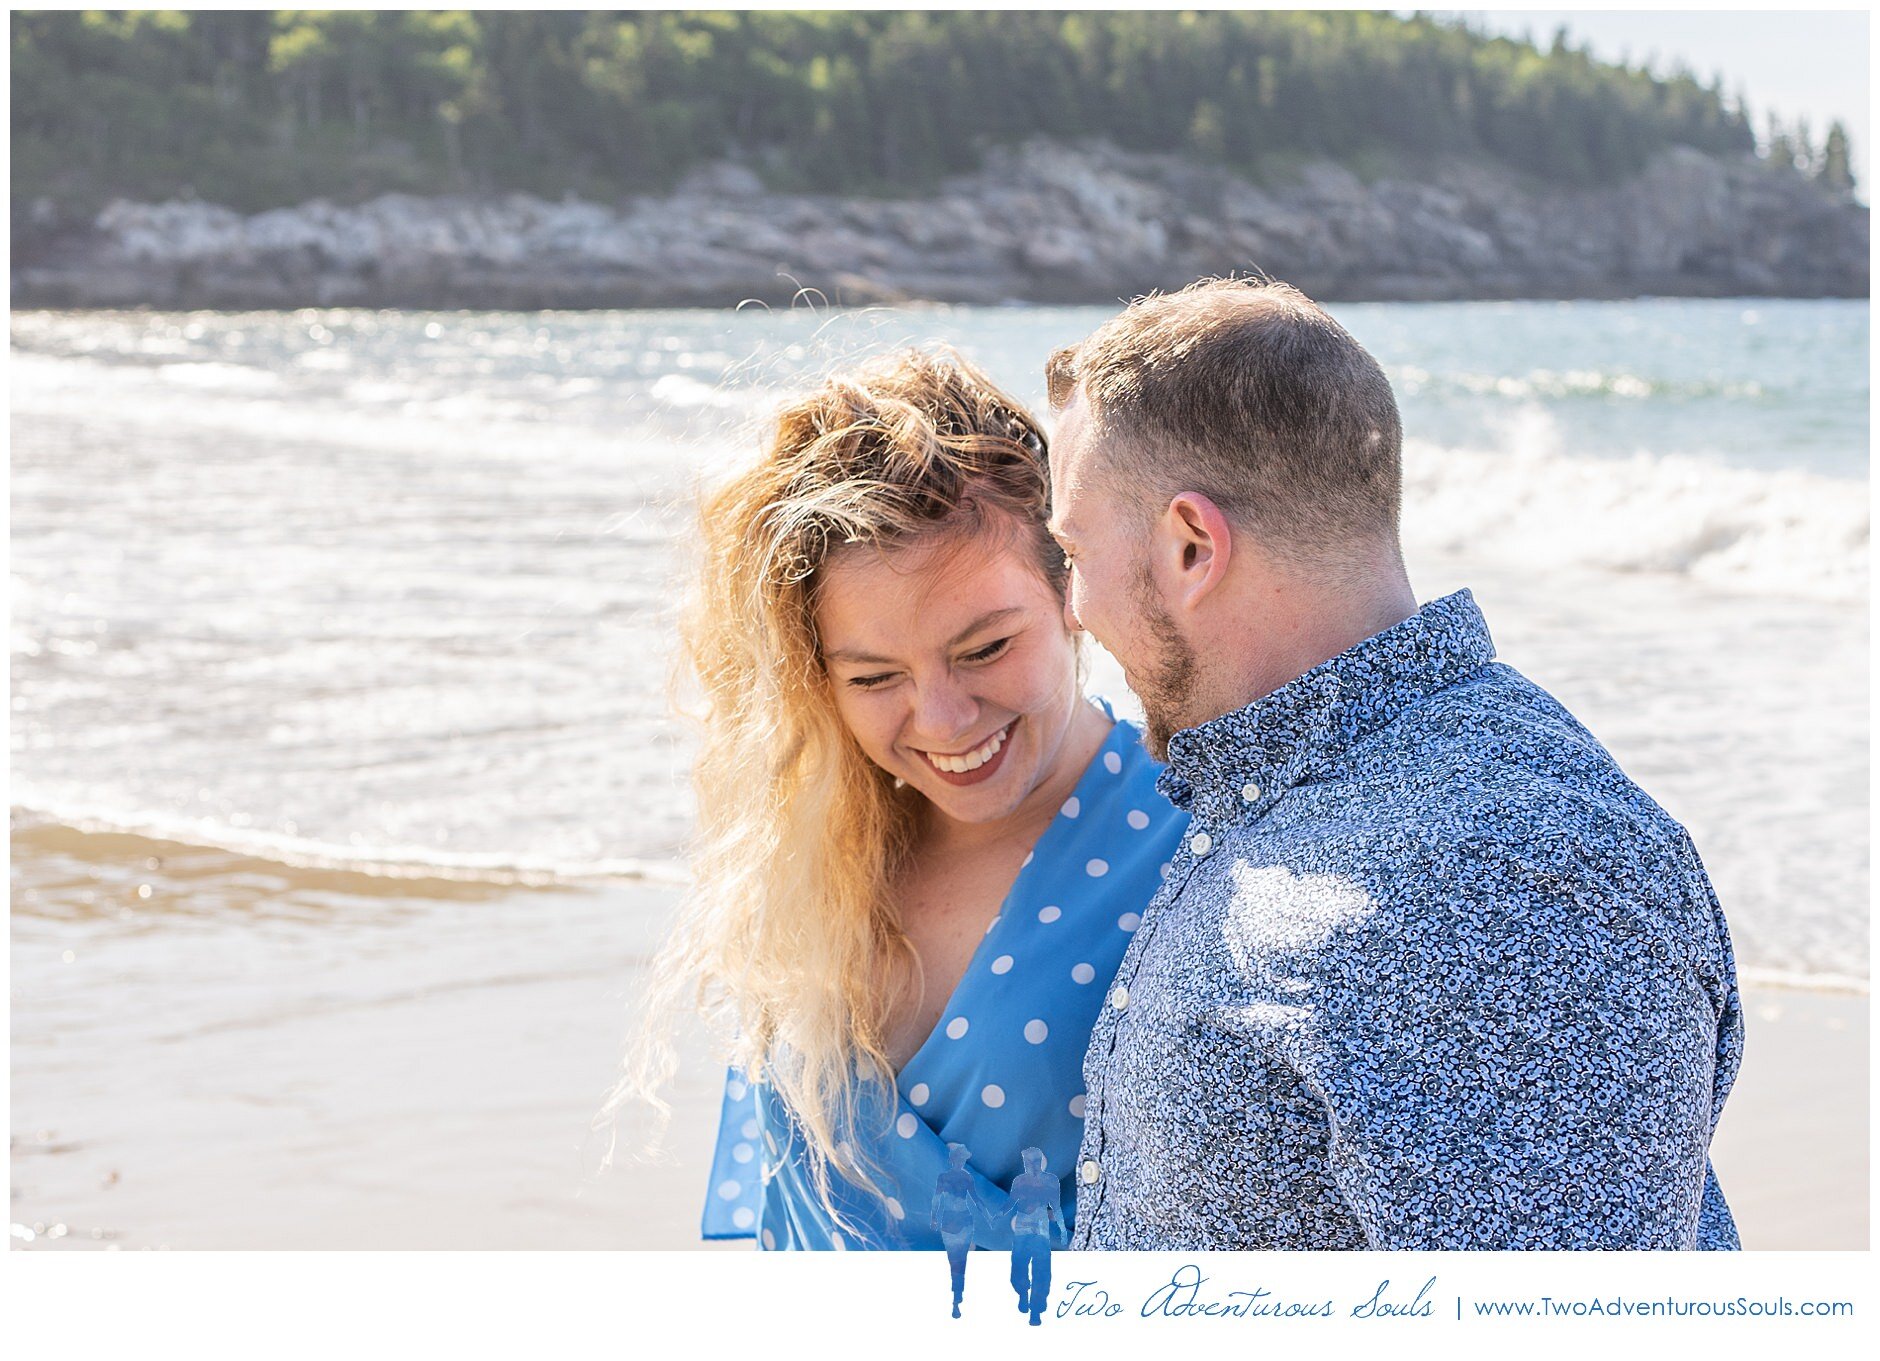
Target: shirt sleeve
[734,1199]
[1517,1048]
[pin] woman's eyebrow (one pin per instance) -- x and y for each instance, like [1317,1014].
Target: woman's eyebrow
[842,654]
[984,621]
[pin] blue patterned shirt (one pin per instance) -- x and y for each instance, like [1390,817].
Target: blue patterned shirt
[1428,972]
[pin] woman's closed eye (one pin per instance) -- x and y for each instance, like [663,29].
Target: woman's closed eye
[985,654]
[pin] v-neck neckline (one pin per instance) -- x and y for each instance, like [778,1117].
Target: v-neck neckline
[1058,826]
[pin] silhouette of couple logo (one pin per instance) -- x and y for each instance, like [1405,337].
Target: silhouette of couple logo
[1033,1208]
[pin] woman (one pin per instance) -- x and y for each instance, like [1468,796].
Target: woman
[955,1214]
[921,850]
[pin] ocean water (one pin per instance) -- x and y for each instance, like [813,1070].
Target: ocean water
[347,798]
[393,593]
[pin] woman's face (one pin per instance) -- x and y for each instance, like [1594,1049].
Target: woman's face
[952,666]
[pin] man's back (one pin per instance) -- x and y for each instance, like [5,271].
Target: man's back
[1430,972]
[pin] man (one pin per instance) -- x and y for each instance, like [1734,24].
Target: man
[1429,971]
[1036,1208]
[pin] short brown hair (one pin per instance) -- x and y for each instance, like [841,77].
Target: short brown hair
[1246,391]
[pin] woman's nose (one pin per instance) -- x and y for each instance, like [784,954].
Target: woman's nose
[944,710]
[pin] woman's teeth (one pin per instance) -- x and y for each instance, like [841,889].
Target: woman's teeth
[972,760]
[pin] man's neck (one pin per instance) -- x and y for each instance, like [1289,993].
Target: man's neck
[1281,630]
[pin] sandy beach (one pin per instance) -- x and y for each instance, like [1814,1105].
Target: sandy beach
[369,589]
[333,1060]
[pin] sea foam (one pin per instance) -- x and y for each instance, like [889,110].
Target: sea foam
[1536,505]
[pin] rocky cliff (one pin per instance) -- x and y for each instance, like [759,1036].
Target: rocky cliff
[1037,223]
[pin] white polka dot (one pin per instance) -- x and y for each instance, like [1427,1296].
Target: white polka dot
[1071,807]
[748,1129]
[1165,869]
[1083,973]
[845,1150]
[1077,1106]
[1096,869]
[744,1216]
[735,1089]
[993,1095]
[895,1208]
[907,1124]
[743,1153]
[995,921]
[1137,819]
[1129,921]
[956,1027]
[1035,1031]
[770,1241]
[1113,763]
[1003,964]
[730,1190]
[918,1094]
[839,1244]
[1049,914]
[1027,860]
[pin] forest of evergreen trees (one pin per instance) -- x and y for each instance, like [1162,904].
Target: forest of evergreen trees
[263,108]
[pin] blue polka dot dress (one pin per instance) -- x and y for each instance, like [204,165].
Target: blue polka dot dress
[1003,1069]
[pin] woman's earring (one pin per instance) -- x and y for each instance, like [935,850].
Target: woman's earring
[899,783]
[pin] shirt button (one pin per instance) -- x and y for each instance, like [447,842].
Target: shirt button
[1090,1171]
[1119,996]
[1250,792]
[1201,843]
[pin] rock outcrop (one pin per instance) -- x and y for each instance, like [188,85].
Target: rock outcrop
[1037,223]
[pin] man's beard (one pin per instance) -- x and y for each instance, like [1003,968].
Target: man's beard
[1168,684]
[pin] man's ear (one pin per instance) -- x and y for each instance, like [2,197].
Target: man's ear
[1197,543]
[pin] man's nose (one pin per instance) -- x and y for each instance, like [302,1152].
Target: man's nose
[1071,621]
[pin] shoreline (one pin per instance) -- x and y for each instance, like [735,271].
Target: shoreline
[319,1067]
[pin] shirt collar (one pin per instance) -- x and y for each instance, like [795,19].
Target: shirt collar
[1242,761]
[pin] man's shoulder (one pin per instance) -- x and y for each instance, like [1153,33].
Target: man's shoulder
[1495,717]
[1487,792]
[1497,761]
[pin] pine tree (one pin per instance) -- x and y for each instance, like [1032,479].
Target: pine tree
[1837,171]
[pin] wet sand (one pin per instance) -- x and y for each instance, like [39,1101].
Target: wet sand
[249,1056]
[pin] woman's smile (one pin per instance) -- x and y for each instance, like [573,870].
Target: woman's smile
[979,764]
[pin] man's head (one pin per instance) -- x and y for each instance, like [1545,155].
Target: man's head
[1218,447]
[957,1154]
[1033,1158]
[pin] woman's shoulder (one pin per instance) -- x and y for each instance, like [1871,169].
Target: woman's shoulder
[1117,808]
[1123,752]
